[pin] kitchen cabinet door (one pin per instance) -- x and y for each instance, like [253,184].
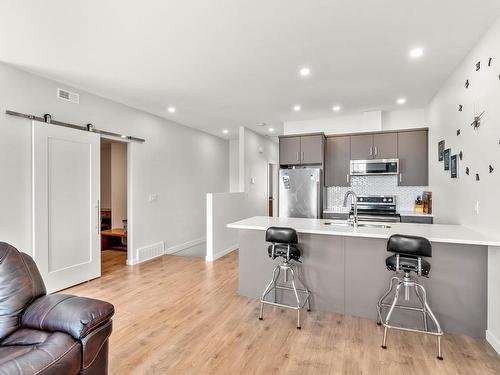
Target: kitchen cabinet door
[338,155]
[413,158]
[289,150]
[362,147]
[312,149]
[385,146]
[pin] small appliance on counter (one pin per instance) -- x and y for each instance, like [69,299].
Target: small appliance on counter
[301,193]
[419,205]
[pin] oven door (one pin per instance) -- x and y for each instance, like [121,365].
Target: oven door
[374,167]
[380,218]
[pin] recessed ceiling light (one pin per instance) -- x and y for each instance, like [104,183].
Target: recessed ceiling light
[304,72]
[401,101]
[271,129]
[336,108]
[171,109]
[225,131]
[415,53]
[296,108]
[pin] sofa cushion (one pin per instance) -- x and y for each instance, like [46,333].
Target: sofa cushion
[20,284]
[30,352]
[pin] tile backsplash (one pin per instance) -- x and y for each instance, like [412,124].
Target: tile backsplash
[374,185]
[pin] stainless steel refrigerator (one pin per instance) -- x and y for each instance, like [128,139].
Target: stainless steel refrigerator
[301,193]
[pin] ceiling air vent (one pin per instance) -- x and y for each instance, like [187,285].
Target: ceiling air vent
[72,97]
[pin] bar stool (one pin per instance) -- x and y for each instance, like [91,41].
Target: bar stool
[284,245]
[408,252]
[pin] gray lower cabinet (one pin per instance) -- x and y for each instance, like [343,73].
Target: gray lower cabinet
[289,150]
[413,158]
[307,149]
[338,154]
[417,219]
[362,147]
[385,146]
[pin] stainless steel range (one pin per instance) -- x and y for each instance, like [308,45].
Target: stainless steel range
[376,208]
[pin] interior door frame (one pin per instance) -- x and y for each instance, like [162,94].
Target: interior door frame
[130,217]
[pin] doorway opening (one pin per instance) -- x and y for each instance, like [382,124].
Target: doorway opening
[272,189]
[114,204]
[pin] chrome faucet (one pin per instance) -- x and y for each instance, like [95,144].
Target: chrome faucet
[355,200]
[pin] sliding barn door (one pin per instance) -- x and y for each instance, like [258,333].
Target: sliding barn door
[66,217]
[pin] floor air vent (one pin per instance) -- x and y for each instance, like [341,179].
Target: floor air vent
[150,252]
[69,96]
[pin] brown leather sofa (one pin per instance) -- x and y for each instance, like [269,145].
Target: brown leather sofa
[48,334]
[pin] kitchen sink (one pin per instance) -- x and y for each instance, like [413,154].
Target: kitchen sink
[360,225]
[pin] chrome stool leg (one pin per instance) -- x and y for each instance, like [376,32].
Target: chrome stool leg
[424,311]
[388,317]
[299,278]
[292,273]
[439,332]
[381,300]
[268,289]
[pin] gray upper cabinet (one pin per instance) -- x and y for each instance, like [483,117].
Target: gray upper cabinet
[338,155]
[374,146]
[385,146]
[413,158]
[362,147]
[308,149]
[311,149]
[289,150]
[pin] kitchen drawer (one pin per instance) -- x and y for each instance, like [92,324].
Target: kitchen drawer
[417,219]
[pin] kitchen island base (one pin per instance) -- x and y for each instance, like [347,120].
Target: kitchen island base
[348,275]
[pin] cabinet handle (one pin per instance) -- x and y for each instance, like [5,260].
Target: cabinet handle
[376,151]
[371,151]
[400,177]
[302,155]
[297,156]
[347,178]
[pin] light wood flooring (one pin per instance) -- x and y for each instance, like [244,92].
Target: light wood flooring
[179,315]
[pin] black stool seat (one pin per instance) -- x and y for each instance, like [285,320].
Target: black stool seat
[280,250]
[407,263]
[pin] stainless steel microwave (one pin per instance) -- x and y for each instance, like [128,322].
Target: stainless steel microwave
[374,167]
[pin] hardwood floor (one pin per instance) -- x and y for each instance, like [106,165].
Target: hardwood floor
[178,315]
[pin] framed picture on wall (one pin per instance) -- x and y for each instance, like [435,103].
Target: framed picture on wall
[454,166]
[446,158]
[440,150]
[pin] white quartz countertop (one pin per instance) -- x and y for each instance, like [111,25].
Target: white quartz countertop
[402,213]
[456,234]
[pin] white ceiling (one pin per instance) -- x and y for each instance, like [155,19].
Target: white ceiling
[227,63]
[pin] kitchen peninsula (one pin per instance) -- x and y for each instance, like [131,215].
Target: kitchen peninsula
[344,267]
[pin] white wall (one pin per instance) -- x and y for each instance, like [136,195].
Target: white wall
[118,184]
[234,173]
[359,122]
[222,209]
[255,153]
[454,199]
[178,163]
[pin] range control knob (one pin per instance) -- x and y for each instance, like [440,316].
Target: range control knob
[384,200]
[360,199]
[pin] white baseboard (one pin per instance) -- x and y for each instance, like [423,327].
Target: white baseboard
[494,341]
[186,245]
[220,254]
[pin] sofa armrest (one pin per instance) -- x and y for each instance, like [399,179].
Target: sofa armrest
[76,316]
